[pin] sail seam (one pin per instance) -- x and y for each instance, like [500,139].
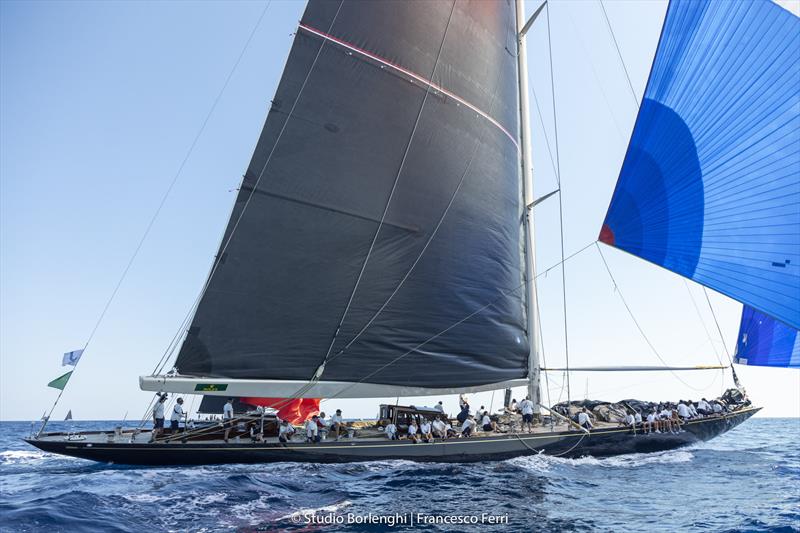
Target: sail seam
[413,75]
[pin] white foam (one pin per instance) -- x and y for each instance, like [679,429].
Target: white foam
[21,456]
[542,463]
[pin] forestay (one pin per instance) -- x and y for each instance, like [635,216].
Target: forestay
[710,185]
[378,227]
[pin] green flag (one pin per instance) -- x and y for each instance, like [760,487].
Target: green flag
[60,382]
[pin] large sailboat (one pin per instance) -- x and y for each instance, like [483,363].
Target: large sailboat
[382,243]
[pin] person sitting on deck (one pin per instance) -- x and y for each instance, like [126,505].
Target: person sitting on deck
[438,428]
[425,431]
[584,420]
[704,408]
[412,431]
[664,416]
[285,431]
[391,431]
[467,426]
[676,421]
[637,417]
[716,407]
[439,407]
[177,414]
[337,423]
[513,407]
[692,409]
[227,418]
[683,411]
[630,421]
[448,429]
[487,423]
[651,423]
[480,413]
[526,407]
[312,429]
[323,425]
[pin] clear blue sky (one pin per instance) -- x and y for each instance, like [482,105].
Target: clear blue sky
[99,103]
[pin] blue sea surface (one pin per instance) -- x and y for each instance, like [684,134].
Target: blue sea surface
[745,480]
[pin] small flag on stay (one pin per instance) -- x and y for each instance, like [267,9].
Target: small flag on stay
[71,358]
[61,381]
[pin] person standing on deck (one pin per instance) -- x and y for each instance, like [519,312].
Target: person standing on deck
[227,418]
[526,408]
[177,414]
[439,407]
[158,416]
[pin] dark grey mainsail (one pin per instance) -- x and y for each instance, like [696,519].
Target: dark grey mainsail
[377,234]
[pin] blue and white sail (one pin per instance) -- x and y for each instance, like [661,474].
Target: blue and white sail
[764,341]
[710,184]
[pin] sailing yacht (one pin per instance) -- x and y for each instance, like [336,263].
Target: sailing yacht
[382,242]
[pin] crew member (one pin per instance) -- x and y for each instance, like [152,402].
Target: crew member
[177,414]
[312,429]
[391,431]
[285,431]
[526,407]
[336,423]
[227,417]
[158,416]
[584,420]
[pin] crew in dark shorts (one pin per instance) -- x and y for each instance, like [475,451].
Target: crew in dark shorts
[158,416]
[526,408]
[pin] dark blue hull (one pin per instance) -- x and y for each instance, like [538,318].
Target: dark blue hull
[598,443]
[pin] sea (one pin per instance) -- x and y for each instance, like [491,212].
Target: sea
[746,480]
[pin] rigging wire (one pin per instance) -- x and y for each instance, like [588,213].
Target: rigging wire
[235,226]
[636,322]
[702,321]
[560,199]
[722,338]
[619,54]
[479,310]
[320,369]
[478,143]
[164,197]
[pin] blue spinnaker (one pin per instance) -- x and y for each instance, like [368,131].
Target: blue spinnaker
[710,185]
[764,341]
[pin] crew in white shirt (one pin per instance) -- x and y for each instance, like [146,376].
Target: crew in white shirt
[584,420]
[227,417]
[650,424]
[337,423]
[412,431]
[285,431]
[177,414]
[637,418]
[391,431]
[526,407]
[487,423]
[438,428]
[468,426]
[683,411]
[439,407]
[158,416]
[425,431]
[312,429]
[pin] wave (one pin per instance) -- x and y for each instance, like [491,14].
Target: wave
[542,463]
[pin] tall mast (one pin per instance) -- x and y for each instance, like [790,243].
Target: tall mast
[527,188]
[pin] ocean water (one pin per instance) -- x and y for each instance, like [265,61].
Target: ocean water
[745,480]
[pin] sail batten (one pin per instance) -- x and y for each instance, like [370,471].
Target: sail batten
[710,185]
[439,303]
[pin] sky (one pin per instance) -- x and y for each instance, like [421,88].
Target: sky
[100,104]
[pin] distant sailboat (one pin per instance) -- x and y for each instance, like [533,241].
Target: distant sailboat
[69,415]
[381,241]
